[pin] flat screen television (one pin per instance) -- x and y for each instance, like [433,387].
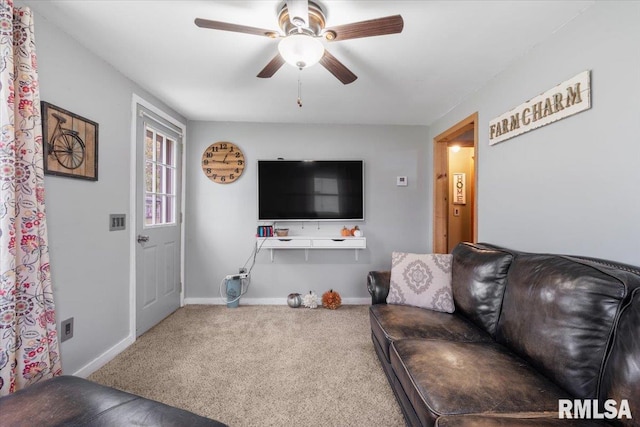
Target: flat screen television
[310,190]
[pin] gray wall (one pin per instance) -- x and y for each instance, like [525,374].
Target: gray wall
[89,264]
[571,186]
[221,219]
[567,187]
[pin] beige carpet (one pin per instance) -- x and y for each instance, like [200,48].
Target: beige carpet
[261,366]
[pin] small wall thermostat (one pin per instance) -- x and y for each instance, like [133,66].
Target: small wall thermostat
[401,181]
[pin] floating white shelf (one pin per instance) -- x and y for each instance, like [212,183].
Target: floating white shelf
[312,242]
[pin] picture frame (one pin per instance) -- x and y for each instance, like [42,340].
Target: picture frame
[70,143]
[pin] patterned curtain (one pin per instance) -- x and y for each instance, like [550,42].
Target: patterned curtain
[28,337]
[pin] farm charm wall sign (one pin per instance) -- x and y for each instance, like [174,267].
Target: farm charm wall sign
[70,144]
[564,100]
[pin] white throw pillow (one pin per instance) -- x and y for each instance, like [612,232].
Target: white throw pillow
[422,280]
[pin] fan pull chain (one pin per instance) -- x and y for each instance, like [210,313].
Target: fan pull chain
[299,89]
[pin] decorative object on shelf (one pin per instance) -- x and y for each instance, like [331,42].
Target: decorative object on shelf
[282,232]
[345,232]
[331,300]
[70,144]
[294,300]
[354,230]
[223,162]
[357,232]
[265,231]
[310,300]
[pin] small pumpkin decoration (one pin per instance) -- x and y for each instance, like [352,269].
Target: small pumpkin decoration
[355,230]
[310,300]
[294,300]
[345,232]
[331,300]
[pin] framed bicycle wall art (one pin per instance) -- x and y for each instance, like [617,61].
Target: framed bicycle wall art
[70,143]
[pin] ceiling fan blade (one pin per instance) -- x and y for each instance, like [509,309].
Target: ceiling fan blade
[271,68]
[373,27]
[226,26]
[337,68]
[298,12]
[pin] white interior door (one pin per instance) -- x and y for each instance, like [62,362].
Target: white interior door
[158,222]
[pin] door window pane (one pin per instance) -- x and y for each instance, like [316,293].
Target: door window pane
[169,209]
[148,177]
[169,152]
[148,210]
[160,179]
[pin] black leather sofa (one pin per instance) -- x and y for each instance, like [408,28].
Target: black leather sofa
[73,401]
[528,330]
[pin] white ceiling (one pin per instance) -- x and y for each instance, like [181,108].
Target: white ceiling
[447,51]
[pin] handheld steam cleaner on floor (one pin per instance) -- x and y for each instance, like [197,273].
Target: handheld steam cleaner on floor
[234,286]
[234,289]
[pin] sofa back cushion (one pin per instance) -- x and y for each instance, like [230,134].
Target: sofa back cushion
[479,276]
[559,314]
[621,378]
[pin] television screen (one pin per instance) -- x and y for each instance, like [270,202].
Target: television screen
[304,190]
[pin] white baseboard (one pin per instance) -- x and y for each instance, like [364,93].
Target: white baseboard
[265,301]
[104,358]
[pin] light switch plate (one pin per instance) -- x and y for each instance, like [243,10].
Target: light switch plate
[66,328]
[117,222]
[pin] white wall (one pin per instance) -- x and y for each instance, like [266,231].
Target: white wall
[89,264]
[221,219]
[571,186]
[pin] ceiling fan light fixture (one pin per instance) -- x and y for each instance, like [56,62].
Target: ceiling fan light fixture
[301,50]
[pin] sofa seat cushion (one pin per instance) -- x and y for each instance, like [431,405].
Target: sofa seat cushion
[454,378]
[390,322]
[525,420]
[68,400]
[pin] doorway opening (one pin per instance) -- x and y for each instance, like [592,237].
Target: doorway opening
[455,171]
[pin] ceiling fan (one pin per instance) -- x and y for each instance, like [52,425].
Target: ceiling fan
[302,24]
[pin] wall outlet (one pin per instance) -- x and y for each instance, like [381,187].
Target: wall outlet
[242,270]
[66,329]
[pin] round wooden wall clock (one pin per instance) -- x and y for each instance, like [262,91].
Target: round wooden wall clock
[223,162]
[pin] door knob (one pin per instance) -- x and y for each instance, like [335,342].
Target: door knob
[142,238]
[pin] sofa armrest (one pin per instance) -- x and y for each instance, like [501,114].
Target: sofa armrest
[378,283]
